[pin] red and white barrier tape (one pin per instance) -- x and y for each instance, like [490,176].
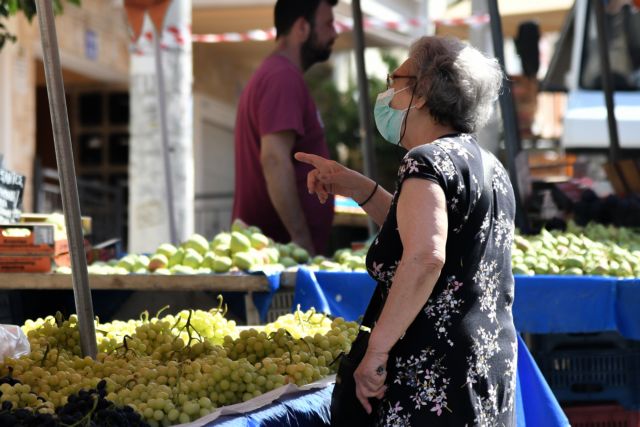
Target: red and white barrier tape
[173,36]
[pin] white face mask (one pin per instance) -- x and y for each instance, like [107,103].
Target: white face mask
[389,120]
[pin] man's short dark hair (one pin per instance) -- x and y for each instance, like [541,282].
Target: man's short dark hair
[287,12]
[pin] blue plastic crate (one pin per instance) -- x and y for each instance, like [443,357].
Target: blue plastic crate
[589,375]
[610,340]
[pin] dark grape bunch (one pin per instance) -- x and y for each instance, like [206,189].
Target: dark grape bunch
[87,408]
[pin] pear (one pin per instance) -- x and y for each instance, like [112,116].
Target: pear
[243,260]
[166,249]
[223,237]
[128,262]
[223,249]
[222,264]
[209,259]
[259,240]
[198,243]
[238,225]
[177,257]
[239,242]
[158,261]
[192,258]
[288,262]
[182,269]
[300,255]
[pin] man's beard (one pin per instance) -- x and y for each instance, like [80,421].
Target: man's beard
[311,52]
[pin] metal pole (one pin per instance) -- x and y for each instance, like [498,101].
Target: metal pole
[366,131]
[511,131]
[607,86]
[68,185]
[164,133]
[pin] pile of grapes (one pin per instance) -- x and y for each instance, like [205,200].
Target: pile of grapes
[165,369]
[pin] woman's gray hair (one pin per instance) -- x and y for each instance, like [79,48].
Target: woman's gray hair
[459,83]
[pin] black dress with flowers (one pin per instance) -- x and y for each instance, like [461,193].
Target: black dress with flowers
[456,364]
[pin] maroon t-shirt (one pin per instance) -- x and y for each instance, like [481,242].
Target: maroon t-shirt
[277,99]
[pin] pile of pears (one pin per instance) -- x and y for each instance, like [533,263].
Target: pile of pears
[244,248]
[593,250]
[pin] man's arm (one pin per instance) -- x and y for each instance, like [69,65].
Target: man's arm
[277,166]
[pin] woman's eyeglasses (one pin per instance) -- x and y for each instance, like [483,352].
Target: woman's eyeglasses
[392,77]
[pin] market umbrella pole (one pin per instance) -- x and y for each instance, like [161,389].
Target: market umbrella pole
[164,134]
[366,132]
[605,72]
[511,131]
[66,170]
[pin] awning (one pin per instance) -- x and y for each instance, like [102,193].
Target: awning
[550,15]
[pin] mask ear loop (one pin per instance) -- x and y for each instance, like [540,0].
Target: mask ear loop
[404,125]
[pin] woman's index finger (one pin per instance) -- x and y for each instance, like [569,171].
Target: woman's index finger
[311,159]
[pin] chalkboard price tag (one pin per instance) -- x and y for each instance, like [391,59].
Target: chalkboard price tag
[11,191]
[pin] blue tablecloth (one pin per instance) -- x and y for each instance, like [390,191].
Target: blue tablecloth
[627,308]
[565,304]
[543,304]
[304,409]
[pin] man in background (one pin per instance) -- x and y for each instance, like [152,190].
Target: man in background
[276,118]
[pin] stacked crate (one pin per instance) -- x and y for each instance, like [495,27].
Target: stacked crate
[596,377]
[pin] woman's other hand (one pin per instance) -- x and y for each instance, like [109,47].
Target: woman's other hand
[370,378]
[329,177]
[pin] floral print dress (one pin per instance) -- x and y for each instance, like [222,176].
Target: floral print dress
[456,363]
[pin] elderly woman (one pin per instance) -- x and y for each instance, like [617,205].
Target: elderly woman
[443,350]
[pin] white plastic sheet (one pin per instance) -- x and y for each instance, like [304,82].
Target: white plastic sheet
[13,342]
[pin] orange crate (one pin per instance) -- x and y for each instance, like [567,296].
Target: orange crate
[25,264]
[602,416]
[39,239]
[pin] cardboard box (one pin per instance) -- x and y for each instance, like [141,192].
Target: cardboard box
[25,263]
[61,255]
[30,218]
[38,239]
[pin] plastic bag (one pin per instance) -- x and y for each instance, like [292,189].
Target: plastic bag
[13,342]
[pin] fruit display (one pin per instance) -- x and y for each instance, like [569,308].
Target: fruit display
[167,369]
[243,248]
[596,250]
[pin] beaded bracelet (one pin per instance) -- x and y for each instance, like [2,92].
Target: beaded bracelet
[370,195]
